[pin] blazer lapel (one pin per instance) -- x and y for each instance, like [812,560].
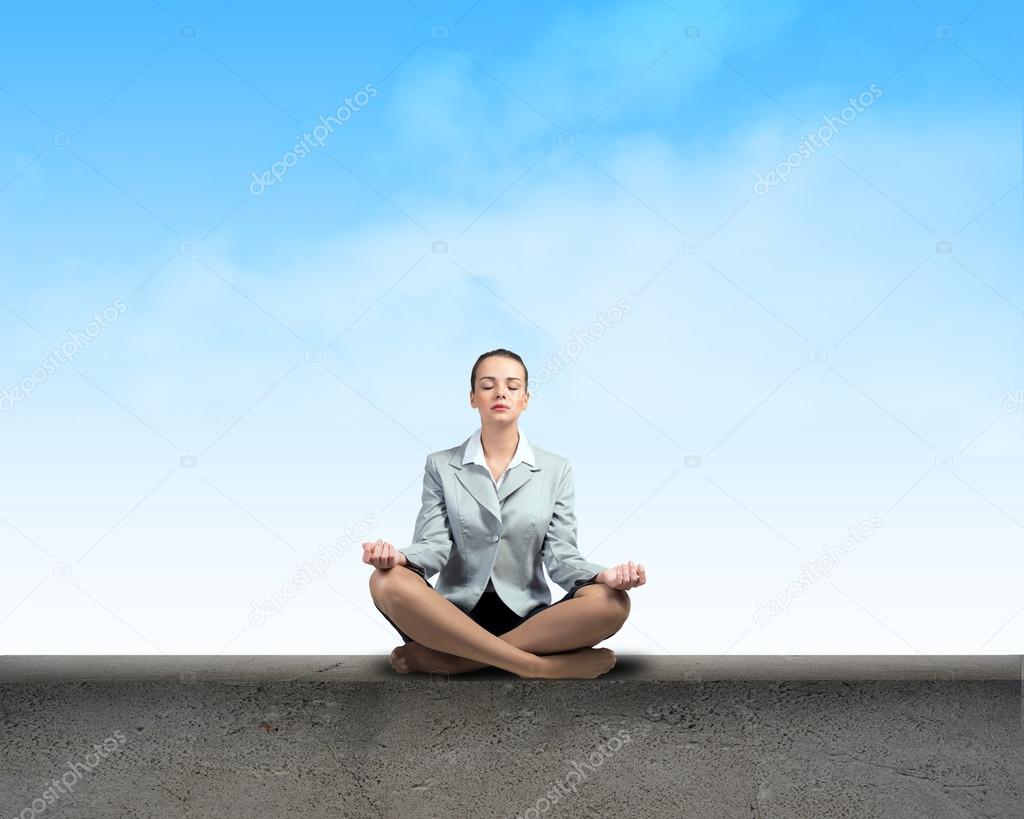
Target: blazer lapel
[517,476]
[480,486]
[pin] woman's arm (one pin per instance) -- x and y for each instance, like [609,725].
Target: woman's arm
[431,538]
[566,566]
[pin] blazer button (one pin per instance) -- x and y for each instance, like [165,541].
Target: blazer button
[494,538]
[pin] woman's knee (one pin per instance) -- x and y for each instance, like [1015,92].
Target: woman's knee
[615,602]
[619,603]
[386,583]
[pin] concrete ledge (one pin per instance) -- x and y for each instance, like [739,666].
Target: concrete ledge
[329,736]
[373,667]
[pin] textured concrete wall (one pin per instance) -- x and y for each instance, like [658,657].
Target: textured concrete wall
[683,737]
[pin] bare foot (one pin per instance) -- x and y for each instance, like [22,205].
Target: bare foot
[581,664]
[415,657]
[399,660]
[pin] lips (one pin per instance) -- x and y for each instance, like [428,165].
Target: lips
[499,407]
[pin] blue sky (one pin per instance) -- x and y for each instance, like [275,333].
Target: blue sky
[311,343]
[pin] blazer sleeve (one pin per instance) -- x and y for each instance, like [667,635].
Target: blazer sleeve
[432,537]
[566,566]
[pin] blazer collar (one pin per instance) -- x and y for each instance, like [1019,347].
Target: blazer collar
[480,486]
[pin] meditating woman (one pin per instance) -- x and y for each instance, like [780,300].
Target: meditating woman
[494,510]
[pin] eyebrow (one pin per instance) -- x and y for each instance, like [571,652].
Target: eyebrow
[492,378]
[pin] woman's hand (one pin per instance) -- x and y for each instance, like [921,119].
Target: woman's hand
[624,576]
[383,555]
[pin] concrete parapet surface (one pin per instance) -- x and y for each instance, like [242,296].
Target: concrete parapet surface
[734,736]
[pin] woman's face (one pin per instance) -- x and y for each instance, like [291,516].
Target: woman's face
[499,383]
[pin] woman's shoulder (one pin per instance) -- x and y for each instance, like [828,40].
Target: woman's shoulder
[443,456]
[545,458]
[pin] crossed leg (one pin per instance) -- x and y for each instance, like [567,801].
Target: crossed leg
[593,614]
[554,643]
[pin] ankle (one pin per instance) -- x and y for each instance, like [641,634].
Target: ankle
[533,667]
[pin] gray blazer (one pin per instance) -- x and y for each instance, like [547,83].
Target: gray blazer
[463,531]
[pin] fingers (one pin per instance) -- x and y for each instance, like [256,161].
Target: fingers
[629,574]
[379,554]
[626,573]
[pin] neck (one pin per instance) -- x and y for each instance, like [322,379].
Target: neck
[500,442]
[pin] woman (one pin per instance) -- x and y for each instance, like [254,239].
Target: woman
[494,510]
